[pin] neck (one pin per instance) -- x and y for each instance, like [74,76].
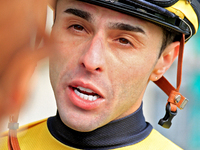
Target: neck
[122,132]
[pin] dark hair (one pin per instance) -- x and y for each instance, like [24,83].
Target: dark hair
[169,36]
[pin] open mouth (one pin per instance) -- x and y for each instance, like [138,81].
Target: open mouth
[86,94]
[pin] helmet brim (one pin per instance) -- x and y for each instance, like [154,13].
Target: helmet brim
[152,13]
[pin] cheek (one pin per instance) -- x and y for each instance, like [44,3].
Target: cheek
[63,60]
[58,61]
[131,77]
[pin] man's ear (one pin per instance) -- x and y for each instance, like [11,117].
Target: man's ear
[165,61]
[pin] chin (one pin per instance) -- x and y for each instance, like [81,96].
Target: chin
[79,124]
[82,127]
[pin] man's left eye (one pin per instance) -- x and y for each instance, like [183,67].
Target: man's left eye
[124,41]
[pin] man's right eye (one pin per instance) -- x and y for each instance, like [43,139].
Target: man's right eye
[77,27]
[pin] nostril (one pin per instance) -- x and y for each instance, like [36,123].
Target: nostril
[83,65]
[94,69]
[97,69]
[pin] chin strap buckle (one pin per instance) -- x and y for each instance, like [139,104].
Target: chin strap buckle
[166,122]
[175,100]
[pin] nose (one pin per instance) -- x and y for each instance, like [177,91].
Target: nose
[93,58]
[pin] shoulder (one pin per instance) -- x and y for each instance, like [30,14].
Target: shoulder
[158,140]
[35,136]
[24,133]
[155,141]
[26,128]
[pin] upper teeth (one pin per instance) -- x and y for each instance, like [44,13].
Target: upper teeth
[85,90]
[85,96]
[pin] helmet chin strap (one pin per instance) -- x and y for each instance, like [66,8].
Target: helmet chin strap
[175,98]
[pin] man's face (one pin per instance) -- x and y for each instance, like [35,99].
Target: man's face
[102,63]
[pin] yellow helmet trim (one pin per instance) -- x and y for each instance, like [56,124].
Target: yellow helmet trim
[183,9]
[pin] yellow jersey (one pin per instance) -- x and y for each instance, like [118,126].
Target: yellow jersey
[36,136]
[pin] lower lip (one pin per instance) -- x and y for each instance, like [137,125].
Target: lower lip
[82,103]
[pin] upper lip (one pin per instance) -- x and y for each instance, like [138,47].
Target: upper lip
[87,85]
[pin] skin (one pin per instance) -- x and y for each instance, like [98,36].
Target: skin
[96,53]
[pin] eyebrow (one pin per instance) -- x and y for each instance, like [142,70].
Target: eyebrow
[88,17]
[126,27]
[79,13]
